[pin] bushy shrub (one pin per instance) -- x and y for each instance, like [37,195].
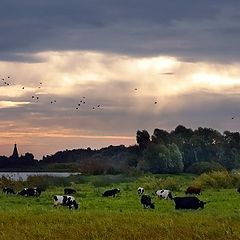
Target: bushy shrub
[156,183]
[171,183]
[216,179]
[205,167]
[236,178]
[108,180]
[45,181]
[148,182]
[8,182]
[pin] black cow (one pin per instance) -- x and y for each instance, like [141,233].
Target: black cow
[147,202]
[8,190]
[30,192]
[111,192]
[238,190]
[188,203]
[69,191]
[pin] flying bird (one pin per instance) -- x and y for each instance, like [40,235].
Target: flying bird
[168,73]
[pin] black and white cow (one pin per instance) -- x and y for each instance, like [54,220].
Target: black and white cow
[65,200]
[111,192]
[188,203]
[30,192]
[69,191]
[140,190]
[164,193]
[8,190]
[147,202]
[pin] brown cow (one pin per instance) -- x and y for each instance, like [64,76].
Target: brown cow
[193,190]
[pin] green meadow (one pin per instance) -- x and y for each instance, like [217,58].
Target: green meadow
[121,217]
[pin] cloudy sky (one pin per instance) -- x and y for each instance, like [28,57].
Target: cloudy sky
[148,64]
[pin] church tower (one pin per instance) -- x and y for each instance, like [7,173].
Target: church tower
[15,155]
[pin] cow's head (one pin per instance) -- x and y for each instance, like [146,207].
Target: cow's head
[73,204]
[152,206]
[201,204]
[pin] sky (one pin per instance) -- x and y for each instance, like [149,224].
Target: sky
[136,64]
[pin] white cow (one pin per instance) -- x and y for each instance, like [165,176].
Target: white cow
[164,193]
[65,200]
[140,190]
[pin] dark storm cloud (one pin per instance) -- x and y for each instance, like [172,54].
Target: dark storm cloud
[187,29]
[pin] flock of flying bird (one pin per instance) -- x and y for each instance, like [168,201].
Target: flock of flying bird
[7,82]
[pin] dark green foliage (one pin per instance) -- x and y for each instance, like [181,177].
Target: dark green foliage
[217,180]
[160,136]
[161,158]
[201,167]
[143,139]
[181,150]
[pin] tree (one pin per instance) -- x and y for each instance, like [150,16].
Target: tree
[143,139]
[171,159]
[162,158]
[160,136]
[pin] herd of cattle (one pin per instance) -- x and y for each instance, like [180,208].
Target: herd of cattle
[186,202]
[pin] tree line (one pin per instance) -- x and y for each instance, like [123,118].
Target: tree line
[180,150]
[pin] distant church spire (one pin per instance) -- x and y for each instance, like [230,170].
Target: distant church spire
[15,155]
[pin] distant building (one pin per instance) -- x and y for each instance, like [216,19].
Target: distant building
[15,155]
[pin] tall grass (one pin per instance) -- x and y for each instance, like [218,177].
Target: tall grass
[121,217]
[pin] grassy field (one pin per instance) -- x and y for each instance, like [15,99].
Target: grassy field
[121,217]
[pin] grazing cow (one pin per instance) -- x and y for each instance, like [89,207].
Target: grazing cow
[188,203]
[147,202]
[8,190]
[69,191]
[164,193]
[140,190]
[30,192]
[65,201]
[111,192]
[238,190]
[193,190]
